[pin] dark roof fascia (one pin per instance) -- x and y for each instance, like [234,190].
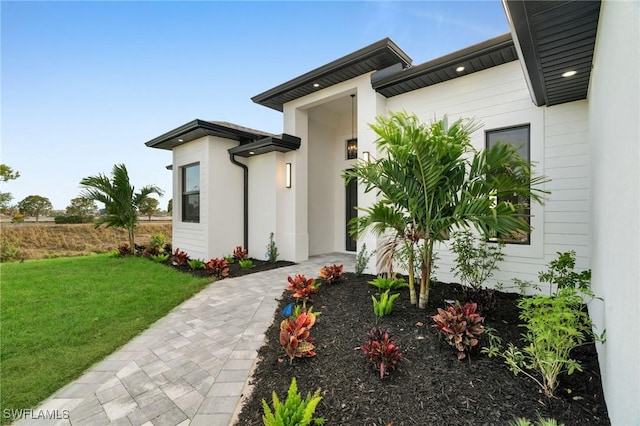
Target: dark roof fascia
[526,47]
[475,51]
[383,47]
[281,143]
[199,128]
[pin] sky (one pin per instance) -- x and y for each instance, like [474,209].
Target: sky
[85,84]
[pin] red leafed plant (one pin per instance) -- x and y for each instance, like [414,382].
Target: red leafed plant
[219,268]
[240,254]
[295,335]
[381,351]
[179,258]
[302,288]
[332,273]
[460,325]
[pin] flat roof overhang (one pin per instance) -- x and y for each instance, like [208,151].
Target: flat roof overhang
[199,128]
[281,143]
[374,57]
[553,37]
[490,53]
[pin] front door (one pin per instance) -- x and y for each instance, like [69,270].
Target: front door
[351,203]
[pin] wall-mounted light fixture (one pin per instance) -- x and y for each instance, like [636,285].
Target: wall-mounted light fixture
[287,181]
[366,156]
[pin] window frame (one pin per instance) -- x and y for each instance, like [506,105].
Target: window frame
[185,195]
[487,133]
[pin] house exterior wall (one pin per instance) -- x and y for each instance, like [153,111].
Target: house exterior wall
[498,98]
[219,229]
[263,188]
[614,128]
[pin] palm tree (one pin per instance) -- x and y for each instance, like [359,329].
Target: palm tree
[436,181]
[119,199]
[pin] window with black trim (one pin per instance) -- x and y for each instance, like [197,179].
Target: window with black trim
[191,193]
[519,137]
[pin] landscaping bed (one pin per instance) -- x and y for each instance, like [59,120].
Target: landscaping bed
[430,386]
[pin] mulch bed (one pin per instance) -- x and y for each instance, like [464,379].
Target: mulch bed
[431,386]
[235,270]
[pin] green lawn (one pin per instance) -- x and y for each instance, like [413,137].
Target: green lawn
[60,316]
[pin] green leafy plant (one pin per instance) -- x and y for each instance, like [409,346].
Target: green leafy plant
[219,268]
[554,327]
[239,253]
[8,249]
[294,411]
[195,264]
[561,273]
[384,306]
[179,258]
[230,259]
[295,335]
[332,273]
[460,325]
[521,421]
[160,258]
[521,285]
[246,263]
[158,240]
[362,259]
[272,250]
[388,283]
[476,260]
[302,288]
[381,351]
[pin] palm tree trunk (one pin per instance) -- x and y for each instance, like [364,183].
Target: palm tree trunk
[425,278]
[412,280]
[132,241]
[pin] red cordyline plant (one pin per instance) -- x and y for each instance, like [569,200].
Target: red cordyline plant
[295,335]
[219,268]
[179,258]
[460,325]
[240,254]
[302,288]
[381,351]
[332,273]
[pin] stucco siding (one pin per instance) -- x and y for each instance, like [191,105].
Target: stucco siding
[614,131]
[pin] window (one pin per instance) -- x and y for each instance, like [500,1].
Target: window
[519,137]
[191,193]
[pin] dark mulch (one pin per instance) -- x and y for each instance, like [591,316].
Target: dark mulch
[235,270]
[431,387]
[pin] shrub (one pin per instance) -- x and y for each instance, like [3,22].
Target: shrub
[332,273]
[158,240]
[384,306]
[554,327]
[246,263]
[219,268]
[179,258]
[295,335]
[302,288]
[124,250]
[8,249]
[362,259]
[460,325]
[294,411]
[388,283]
[17,218]
[160,258]
[64,219]
[272,250]
[195,264]
[561,273]
[521,421]
[476,261]
[239,253]
[381,351]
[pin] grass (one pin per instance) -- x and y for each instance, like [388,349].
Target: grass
[60,316]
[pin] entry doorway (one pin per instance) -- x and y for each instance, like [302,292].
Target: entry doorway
[351,212]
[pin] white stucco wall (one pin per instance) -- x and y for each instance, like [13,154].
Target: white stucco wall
[220,226]
[263,184]
[614,127]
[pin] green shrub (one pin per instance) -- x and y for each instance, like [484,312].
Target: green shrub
[272,250]
[72,219]
[195,264]
[294,411]
[384,306]
[561,273]
[384,283]
[362,259]
[158,240]
[521,421]
[246,263]
[475,259]
[8,250]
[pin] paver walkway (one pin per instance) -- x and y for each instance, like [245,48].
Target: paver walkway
[190,367]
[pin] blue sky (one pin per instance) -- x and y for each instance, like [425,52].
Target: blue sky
[86,84]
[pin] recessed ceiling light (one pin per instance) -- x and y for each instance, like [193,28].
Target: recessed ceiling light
[569,73]
[316,85]
[180,140]
[251,152]
[460,69]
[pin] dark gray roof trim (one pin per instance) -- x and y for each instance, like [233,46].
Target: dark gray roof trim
[376,56]
[282,143]
[553,37]
[199,128]
[490,53]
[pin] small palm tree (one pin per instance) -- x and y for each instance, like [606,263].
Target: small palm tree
[119,199]
[432,181]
